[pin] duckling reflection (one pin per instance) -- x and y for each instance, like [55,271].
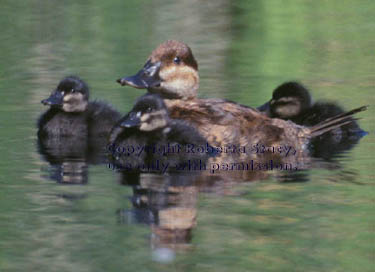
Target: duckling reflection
[168,203]
[165,202]
[292,101]
[74,127]
[68,159]
[69,172]
[157,143]
[172,72]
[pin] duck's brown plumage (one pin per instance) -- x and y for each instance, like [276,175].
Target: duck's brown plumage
[171,71]
[225,123]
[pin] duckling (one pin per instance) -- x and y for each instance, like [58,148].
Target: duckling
[74,127]
[146,139]
[292,101]
[71,113]
[172,71]
[288,102]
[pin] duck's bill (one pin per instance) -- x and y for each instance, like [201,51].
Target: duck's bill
[132,120]
[147,77]
[133,81]
[55,99]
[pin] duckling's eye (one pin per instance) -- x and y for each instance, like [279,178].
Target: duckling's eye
[177,60]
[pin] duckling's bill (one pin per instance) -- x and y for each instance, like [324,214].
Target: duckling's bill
[265,107]
[55,99]
[133,120]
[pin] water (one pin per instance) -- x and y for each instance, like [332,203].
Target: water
[244,50]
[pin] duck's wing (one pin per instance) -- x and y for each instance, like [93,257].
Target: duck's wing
[224,122]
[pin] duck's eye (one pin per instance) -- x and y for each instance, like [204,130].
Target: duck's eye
[149,109]
[72,90]
[177,60]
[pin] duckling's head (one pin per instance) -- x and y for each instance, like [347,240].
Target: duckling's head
[289,100]
[148,114]
[71,95]
[170,71]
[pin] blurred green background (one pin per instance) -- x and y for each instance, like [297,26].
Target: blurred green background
[244,50]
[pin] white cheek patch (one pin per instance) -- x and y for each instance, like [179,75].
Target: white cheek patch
[160,114]
[181,80]
[74,103]
[167,72]
[182,74]
[287,111]
[155,124]
[69,97]
[154,120]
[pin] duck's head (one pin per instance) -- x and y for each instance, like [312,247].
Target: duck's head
[289,100]
[71,95]
[148,114]
[170,71]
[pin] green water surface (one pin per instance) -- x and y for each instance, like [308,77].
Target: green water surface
[244,50]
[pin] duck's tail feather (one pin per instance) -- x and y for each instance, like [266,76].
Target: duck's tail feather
[335,122]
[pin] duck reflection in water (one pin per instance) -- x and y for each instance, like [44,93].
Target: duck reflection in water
[165,202]
[168,203]
[292,101]
[73,131]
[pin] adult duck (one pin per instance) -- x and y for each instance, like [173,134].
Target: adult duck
[172,71]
